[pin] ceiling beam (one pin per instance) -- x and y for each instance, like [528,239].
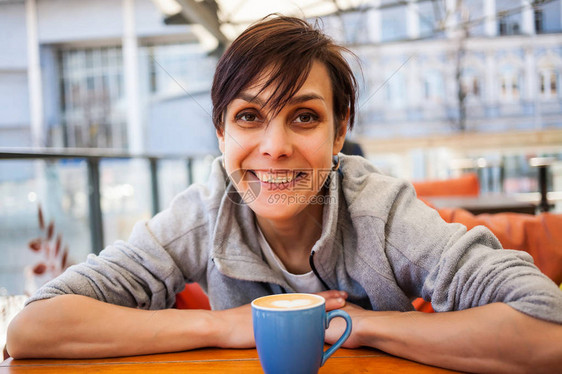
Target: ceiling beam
[197,12]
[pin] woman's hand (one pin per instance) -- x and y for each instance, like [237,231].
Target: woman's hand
[334,299]
[337,326]
[234,328]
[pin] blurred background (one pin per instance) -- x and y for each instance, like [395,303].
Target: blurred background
[105,108]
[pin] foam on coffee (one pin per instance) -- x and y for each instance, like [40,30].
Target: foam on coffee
[288,301]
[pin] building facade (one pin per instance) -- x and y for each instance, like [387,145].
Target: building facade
[453,81]
[110,74]
[105,74]
[478,65]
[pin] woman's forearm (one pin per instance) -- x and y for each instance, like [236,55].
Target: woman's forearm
[492,338]
[73,326]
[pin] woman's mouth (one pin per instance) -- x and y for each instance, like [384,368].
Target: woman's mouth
[278,177]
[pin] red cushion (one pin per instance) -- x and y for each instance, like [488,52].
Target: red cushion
[192,297]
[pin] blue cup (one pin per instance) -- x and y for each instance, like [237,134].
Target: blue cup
[289,331]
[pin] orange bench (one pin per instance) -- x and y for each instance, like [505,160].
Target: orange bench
[539,235]
[466,185]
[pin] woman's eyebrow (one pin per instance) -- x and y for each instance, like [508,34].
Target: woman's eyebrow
[250,98]
[293,100]
[305,97]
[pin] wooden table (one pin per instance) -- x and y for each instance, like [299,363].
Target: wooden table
[213,360]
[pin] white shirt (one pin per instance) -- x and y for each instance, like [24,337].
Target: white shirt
[305,283]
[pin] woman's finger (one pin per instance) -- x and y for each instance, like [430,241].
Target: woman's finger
[334,299]
[334,303]
[333,294]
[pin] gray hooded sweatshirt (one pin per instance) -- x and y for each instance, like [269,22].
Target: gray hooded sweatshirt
[379,243]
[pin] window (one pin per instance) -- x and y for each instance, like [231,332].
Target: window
[393,23]
[177,68]
[475,11]
[508,26]
[430,13]
[547,17]
[434,89]
[538,21]
[470,84]
[510,83]
[510,18]
[548,82]
[91,89]
[396,90]
[353,27]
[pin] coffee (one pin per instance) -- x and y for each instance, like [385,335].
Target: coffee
[289,301]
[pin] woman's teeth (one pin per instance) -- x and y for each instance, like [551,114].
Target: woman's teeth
[275,177]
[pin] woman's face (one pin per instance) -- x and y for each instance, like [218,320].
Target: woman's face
[279,160]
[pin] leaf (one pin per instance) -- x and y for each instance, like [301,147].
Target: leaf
[64,257]
[35,244]
[41,220]
[57,246]
[40,268]
[50,230]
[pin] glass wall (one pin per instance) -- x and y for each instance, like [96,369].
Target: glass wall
[44,224]
[173,176]
[507,172]
[45,210]
[125,196]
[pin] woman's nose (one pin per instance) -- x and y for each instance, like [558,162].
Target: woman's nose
[276,140]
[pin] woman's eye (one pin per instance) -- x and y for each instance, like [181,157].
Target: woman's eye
[306,118]
[247,117]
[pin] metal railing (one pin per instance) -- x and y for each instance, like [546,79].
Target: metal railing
[93,157]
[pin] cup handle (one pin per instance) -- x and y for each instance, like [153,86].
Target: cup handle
[343,338]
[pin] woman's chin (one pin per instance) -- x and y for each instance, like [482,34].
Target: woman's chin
[277,206]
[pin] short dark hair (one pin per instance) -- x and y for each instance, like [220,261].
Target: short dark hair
[288,46]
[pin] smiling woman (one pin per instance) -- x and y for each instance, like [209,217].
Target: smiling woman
[285,212]
[282,101]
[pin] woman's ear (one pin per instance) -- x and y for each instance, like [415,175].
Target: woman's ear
[220,137]
[340,135]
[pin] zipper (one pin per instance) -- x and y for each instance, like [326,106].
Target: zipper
[311,262]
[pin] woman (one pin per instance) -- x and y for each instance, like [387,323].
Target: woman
[283,213]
